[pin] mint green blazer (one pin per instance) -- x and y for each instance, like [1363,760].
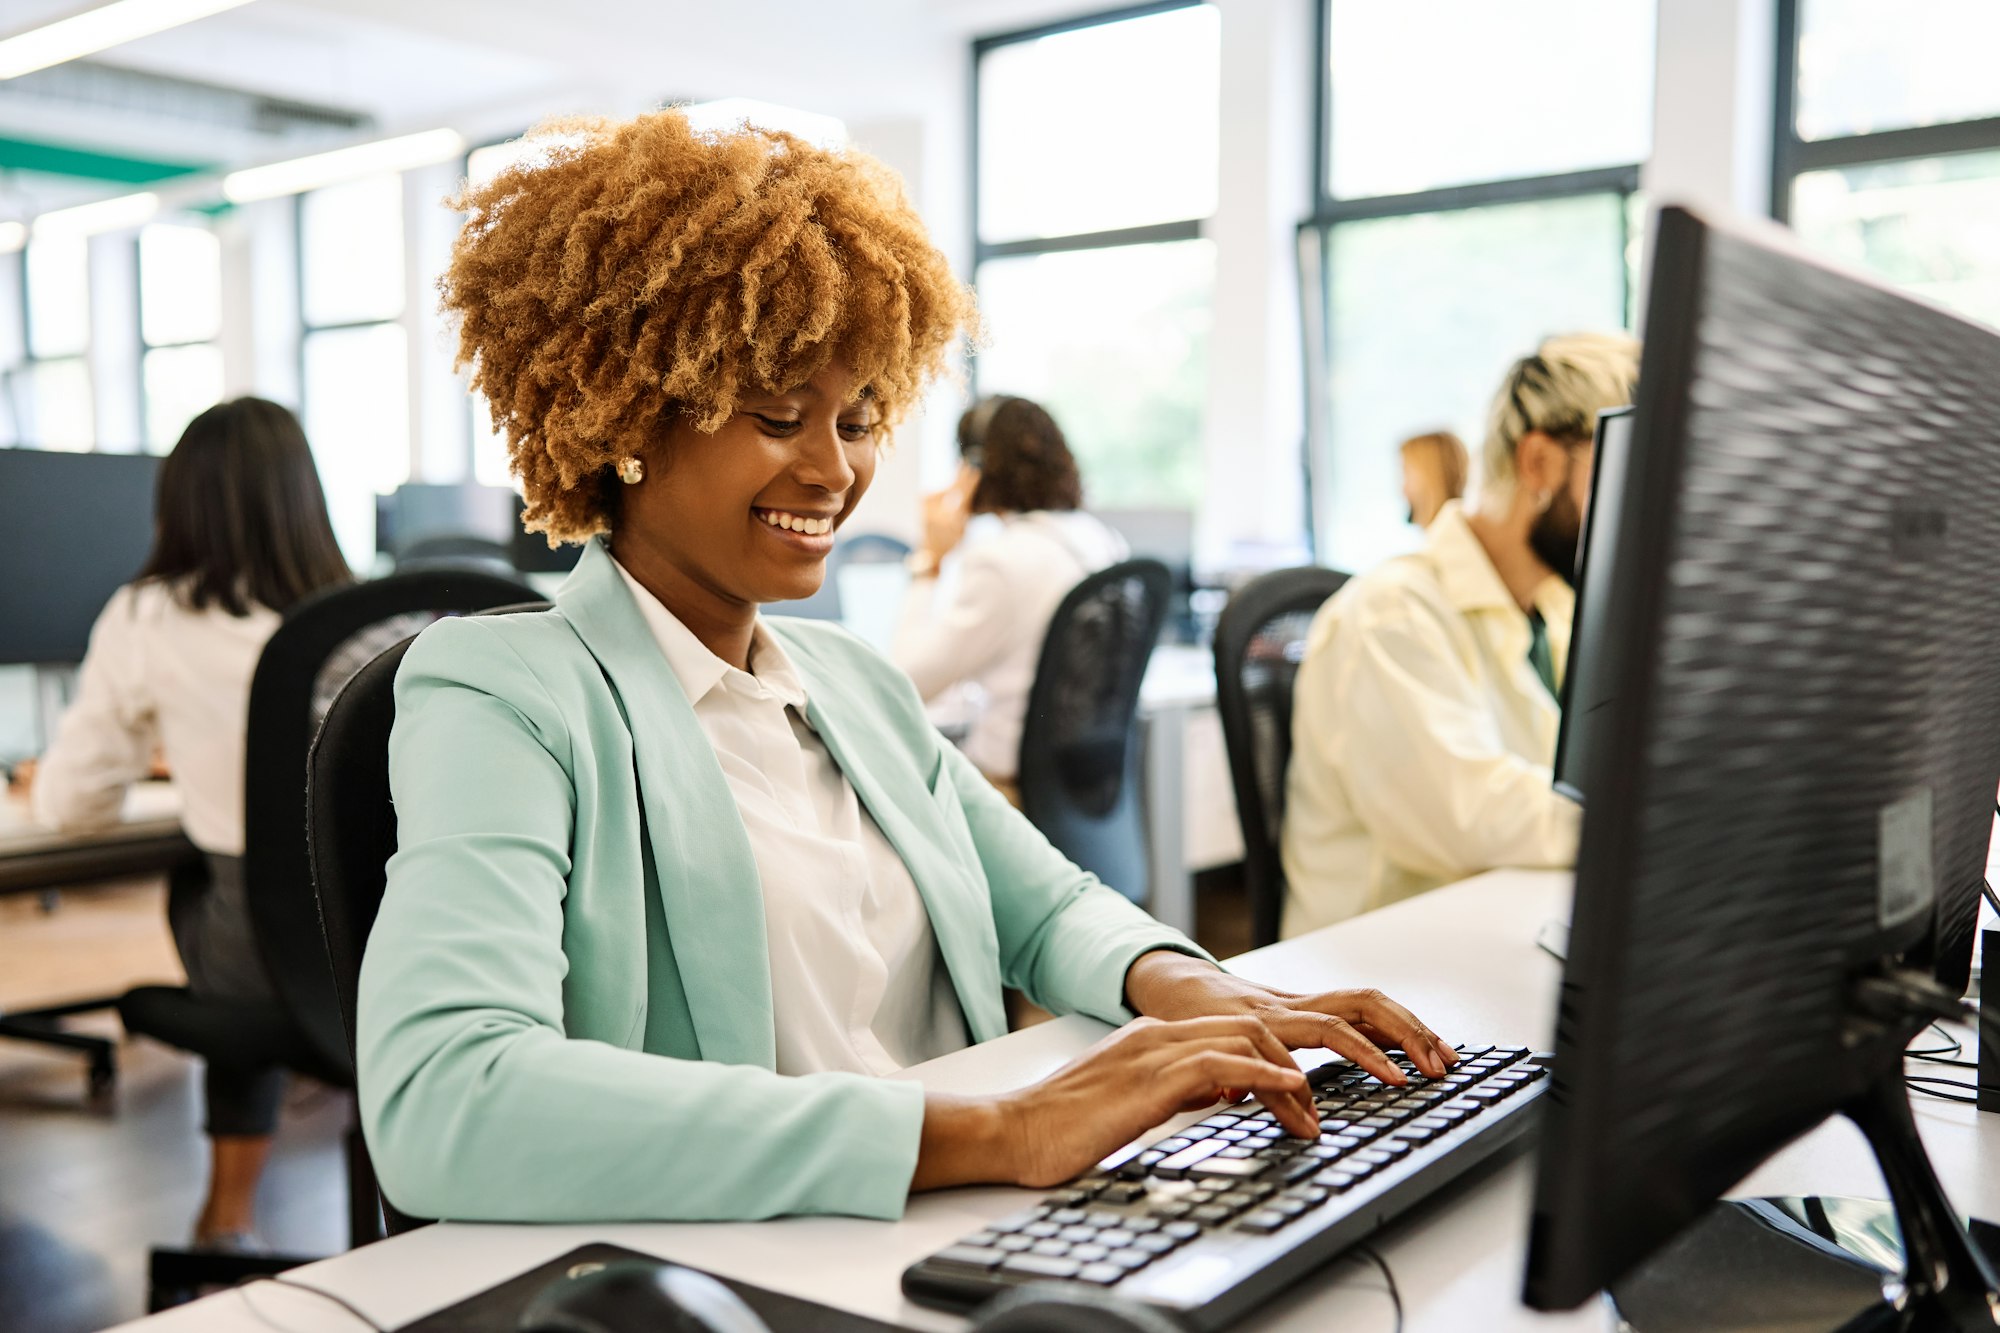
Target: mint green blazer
[565,1009]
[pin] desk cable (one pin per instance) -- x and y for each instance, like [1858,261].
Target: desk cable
[1395,1293]
[243,1289]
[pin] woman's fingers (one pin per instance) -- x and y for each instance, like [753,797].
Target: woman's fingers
[1304,1027]
[1279,1088]
[1384,1024]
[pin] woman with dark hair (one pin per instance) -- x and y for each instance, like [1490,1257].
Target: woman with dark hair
[984,641]
[240,534]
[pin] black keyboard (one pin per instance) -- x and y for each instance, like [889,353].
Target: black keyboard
[1224,1214]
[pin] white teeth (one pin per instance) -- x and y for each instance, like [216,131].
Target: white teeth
[812,527]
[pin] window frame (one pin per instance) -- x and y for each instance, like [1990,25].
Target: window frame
[1314,237]
[29,362]
[145,346]
[1182,229]
[1793,156]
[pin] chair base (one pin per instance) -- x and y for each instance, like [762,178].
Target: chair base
[175,1277]
[44,1026]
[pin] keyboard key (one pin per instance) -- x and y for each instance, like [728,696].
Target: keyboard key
[1100,1218]
[1212,1213]
[1054,1249]
[1038,1265]
[1171,1146]
[1176,1166]
[1338,1181]
[1416,1133]
[1115,1239]
[1236,1152]
[1155,1244]
[981,1239]
[1088,1254]
[1232,1135]
[1181,1230]
[1289,1207]
[1310,1195]
[1220,1167]
[1066,1199]
[1150,1158]
[1066,1217]
[1222,1120]
[1101,1274]
[1234,1199]
[1129,1259]
[1123,1192]
[1171,1211]
[1139,1226]
[1263,1222]
[1014,1244]
[1204,1194]
[1374,1157]
[1077,1235]
[967,1257]
[1040,1230]
[1299,1169]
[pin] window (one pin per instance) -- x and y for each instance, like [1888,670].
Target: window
[1888,141]
[55,409]
[355,372]
[1468,208]
[1096,167]
[180,317]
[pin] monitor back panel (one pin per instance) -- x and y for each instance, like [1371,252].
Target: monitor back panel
[76,527]
[1805,631]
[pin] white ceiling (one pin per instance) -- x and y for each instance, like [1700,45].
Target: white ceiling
[491,66]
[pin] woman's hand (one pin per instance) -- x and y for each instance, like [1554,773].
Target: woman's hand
[1358,1024]
[1135,1078]
[946,513]
[21,778]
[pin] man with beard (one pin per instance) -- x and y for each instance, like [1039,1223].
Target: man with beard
[1425,715]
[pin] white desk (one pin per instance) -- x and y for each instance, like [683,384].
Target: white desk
[1463,957]
[146,839]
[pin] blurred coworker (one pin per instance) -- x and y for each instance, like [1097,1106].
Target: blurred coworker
[988,635]
[1424,723]
[1434,468]
[240,534]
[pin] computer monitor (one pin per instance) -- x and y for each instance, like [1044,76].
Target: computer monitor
[1802,620]
[416,512]
[77,527]
[1584,695]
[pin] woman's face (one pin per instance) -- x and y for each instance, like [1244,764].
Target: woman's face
[748,514]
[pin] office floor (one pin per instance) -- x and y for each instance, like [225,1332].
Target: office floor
[84,1194]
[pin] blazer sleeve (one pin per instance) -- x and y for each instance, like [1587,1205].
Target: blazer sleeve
[1065,938]
[476,1102]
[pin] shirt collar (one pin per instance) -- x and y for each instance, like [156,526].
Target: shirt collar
[1464,569]
[700,671]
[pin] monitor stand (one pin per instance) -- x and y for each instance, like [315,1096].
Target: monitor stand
[1828,1265]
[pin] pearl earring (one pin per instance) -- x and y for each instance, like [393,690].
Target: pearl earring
[631,471]
[1542,499]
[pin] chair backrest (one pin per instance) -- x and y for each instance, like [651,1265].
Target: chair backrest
[1259,642]
[293,671]
[351,832]
[1079,770]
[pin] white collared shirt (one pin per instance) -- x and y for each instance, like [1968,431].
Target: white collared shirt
[989,634]
[1422,738]
[857,982]
[157,672]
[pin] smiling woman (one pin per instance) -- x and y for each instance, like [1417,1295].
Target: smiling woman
[679,885]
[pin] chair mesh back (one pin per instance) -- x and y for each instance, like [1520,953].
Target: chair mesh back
[1259,643]
[317,640]
[1078,753]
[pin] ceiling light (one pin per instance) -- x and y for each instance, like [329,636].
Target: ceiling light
[342,164]
[97,29]
[121,214]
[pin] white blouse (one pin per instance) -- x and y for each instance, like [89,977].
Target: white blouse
[157,673]
[988,636]
[857,982]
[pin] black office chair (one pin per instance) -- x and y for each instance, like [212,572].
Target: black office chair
[351,833]
[1259,642]
[1079,757]
[304,1032]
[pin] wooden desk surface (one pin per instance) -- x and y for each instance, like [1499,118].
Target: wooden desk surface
[147,839]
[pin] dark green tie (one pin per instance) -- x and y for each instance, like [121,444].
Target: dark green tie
[1539,656]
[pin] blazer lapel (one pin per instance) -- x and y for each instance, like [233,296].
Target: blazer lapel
[961,915]
[709,889]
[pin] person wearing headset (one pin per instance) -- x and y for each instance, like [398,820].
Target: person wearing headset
[985,639]
[679,885]
[240,534]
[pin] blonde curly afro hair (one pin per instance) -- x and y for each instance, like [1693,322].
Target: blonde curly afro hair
[639,270]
